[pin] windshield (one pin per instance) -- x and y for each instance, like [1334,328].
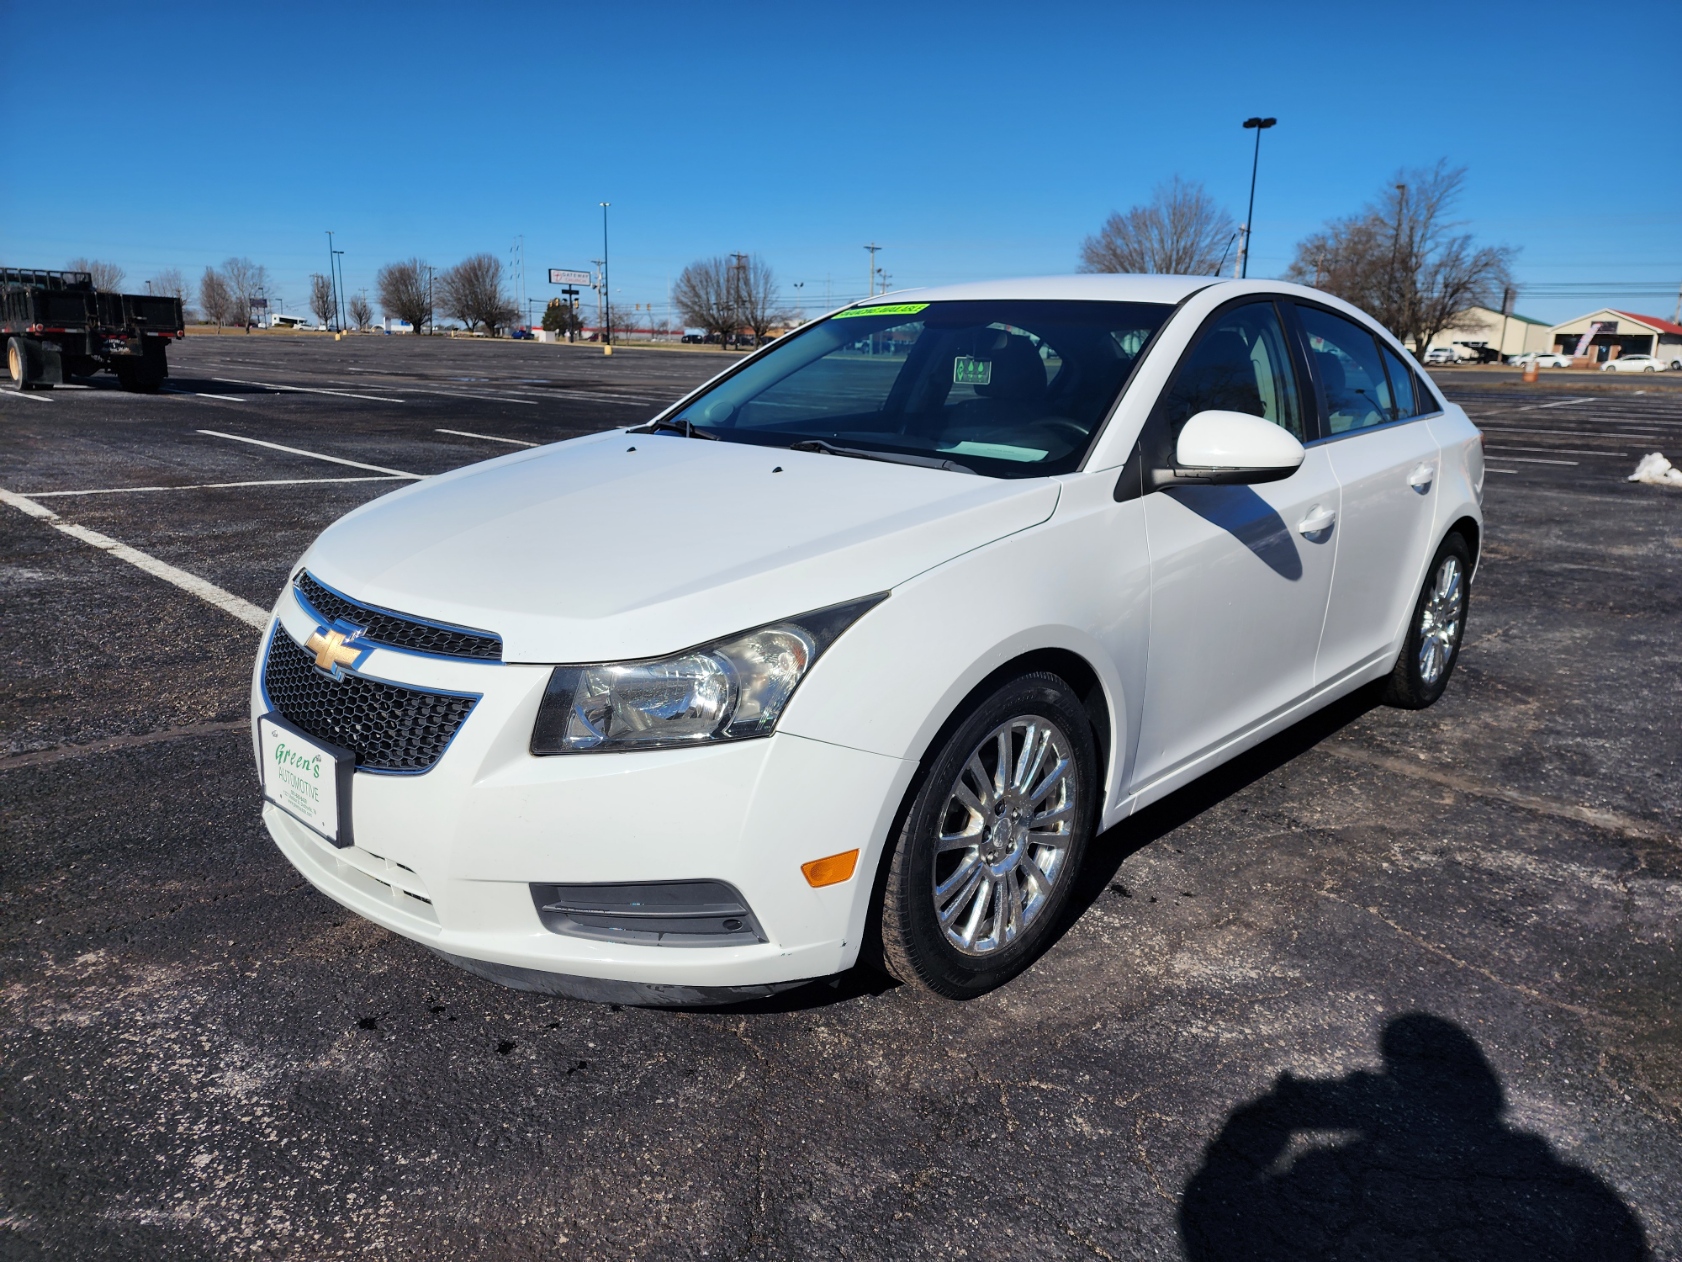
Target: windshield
[1007,389]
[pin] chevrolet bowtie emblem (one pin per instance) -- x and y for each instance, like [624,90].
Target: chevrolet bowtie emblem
[334,649]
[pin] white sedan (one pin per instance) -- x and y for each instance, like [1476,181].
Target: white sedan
[848,654]
[1542,359]
[1635,363]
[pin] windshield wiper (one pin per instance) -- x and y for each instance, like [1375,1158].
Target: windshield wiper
[681,425]
[892,457]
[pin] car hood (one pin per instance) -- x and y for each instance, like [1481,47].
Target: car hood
[635,545]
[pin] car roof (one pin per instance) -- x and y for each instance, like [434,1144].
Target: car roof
[1105,287]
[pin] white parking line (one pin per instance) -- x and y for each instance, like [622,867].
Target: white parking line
[489,438]
[343,394]
[1563,451]
[314,455]
[1566,433]
[1535,460]
[1558,403]
[212,486]
[479,398]
[211,594]
[200,394]
[25,394]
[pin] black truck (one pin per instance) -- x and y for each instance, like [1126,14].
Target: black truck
[56,325]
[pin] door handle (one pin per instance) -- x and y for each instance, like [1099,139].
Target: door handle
[1318,519]
[1422,476]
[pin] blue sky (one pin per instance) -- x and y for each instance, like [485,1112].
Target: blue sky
[970,140]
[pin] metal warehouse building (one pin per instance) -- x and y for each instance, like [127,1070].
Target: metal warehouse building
[1606,334]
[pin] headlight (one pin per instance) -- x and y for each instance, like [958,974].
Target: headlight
[727,690]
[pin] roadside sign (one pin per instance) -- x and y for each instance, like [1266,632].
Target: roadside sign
[563,276]
[260,302]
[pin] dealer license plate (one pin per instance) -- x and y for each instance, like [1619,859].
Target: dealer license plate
[307,778]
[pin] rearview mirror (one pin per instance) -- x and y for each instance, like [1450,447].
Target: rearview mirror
[1228,447]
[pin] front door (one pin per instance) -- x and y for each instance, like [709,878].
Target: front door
[1240,575]
[1386,462]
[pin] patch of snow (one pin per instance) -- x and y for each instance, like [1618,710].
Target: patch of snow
[1655,470]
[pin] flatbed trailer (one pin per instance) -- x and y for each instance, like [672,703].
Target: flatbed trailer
[56,325]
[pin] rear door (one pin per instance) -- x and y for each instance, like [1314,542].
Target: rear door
[1386,463]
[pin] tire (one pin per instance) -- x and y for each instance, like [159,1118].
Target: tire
[1027,872]
[1435,629]
[23,362]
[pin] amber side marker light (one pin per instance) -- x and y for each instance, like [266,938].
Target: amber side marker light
[830,871]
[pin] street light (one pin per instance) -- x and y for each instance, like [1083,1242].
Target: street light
[332,271]
[1261,125]
[607,298]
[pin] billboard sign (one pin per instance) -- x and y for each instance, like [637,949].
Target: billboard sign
[563,276]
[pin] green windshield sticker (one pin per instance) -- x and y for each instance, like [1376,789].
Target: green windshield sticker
[896,308]
[972,372]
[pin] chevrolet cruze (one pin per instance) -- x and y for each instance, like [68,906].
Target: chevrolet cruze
[851,651]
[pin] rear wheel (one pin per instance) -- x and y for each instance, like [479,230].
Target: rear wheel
[1439,624]
[992,841]
[23,362]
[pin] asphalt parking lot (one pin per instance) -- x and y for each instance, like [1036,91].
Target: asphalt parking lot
[1411,975]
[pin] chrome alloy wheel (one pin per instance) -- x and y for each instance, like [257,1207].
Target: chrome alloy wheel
[1439,620]
[1004,834]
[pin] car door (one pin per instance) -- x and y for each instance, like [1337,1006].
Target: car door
[1386,463]
[1240,575]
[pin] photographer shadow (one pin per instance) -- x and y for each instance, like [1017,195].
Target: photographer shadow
[1412,1162]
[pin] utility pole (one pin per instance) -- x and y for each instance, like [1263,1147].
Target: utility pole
[601,289]
[607,300]
[430,323]
[1260,125]
[1677,318]
[738,289]
[872,247]
[1507,296]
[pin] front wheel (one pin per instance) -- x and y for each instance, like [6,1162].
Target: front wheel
[992,841]
[1435,631]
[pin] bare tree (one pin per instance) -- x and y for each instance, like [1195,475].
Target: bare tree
[1401,258]
[705,296]
[245,280]
[472,292]
[403,292]
[321,298]
[361,314]
[215,299]
[756,295]
[106,276]
[1181,232]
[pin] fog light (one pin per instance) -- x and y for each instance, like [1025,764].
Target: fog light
[831,871]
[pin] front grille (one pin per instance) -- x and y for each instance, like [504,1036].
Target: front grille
[393,630]
[657,913]
[387,727]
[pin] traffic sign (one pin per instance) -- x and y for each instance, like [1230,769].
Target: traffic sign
[562,276]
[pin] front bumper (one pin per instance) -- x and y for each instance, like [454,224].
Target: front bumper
[448,857]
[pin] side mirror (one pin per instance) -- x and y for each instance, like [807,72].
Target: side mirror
[1232,447]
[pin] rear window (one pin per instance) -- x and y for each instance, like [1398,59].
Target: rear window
[1006,389]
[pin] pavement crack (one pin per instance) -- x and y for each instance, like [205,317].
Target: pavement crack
[1595,817]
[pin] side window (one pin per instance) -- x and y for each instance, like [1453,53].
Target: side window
[1402,400]
[1240,364]
[1346,357]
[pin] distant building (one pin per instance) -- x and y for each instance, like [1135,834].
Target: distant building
[1483,327]
[1615,333]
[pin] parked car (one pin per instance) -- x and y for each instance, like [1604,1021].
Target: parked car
[1542,359]
[1439,355]
[1634,363]
[845,653]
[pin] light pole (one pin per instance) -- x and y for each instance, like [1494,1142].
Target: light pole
[332,273]
[1260,125]
[607,299]
[339,286]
